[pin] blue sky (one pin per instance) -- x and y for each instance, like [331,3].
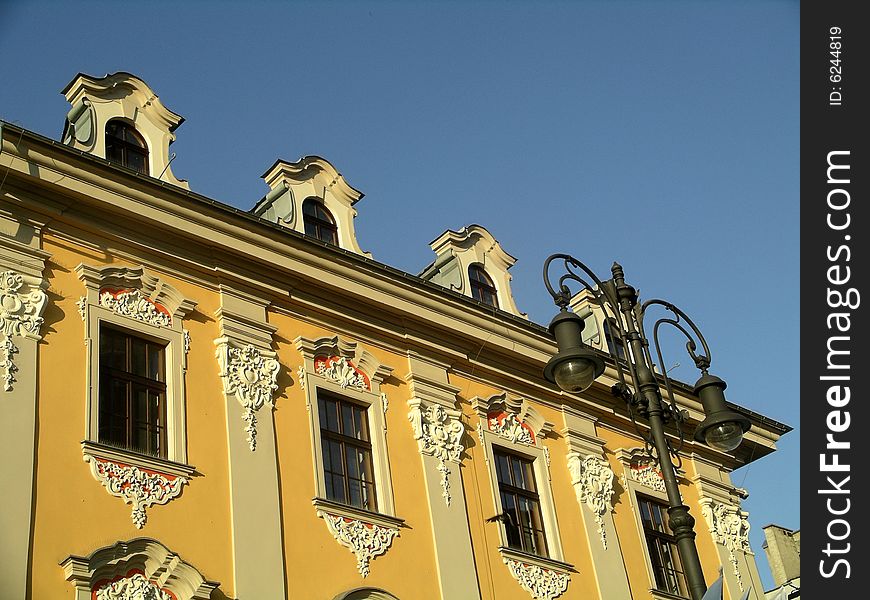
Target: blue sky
[664,135]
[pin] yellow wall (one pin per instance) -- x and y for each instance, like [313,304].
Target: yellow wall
[74,514]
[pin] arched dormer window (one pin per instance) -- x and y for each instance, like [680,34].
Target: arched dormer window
[611,334]
[319,222]
[482,287]
[126,147]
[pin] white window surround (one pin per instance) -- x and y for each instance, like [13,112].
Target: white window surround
[344,380]
[138,568]
[511,423]
[132,300]
[641,476]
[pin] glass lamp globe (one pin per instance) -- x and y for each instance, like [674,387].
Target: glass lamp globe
[575,374]
[724,437]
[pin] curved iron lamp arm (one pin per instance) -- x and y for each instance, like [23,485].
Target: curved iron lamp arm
[603,294]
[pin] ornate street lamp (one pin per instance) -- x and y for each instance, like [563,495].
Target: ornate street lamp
[576,366]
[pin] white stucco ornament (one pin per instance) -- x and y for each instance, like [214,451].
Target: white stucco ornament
[8,350]
[135,305]
[139,487]
[729,527]
[251,375]
[440,435]
[540,583]
[592,478]
[509,427]
[365,540]
[649,476]
[340,370]
[134,587]
[21,305]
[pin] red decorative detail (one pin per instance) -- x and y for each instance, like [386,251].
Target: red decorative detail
[104,582]
[143,469]
[500,417]
[117,292]
[325,362]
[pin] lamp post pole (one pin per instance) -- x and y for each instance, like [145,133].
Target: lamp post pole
[575,367]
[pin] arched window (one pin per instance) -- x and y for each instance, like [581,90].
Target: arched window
[318,222]
[482,287]
[126,147]
[611,334]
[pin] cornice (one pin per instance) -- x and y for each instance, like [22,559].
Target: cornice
[274,259]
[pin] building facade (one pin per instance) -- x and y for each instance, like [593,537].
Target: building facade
[204,402]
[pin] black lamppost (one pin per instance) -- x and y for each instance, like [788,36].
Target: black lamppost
[576,366]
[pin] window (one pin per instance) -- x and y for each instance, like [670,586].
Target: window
[614,343]
[132,404]
[347,452]
[521,506]
[662,546]
[318,222]
[126,147]
[482,287]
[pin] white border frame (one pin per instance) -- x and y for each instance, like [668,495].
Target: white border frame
[545,493]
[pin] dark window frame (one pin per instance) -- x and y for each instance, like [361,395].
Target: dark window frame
[661,547]
[318,222]
[365,485]
[124,144]
[119,420]
[482,286]
[521,534]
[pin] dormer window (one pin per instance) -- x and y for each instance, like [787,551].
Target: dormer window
[126,147]
[611,334]
[319,222]
[482,287]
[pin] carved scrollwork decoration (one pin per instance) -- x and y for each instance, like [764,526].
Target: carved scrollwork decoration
[251,375]
[540,583]
[135,305]
[134,587]
[139,487]
[365,540]
[592,478]
[22,302]
[438,434]
[729,527]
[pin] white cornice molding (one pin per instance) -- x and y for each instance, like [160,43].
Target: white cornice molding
[261,250]
[512,417]
[135,293]
[159,568]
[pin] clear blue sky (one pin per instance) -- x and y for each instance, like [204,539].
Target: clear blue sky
[661,134]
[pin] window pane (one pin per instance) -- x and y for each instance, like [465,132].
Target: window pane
[135,161]
[361,422]
[352,459]
[529,476]
[137,357]
[517,473]
[155,362]
[335,452]
[347,427]
[511,521]
[338,489]
[502,468]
